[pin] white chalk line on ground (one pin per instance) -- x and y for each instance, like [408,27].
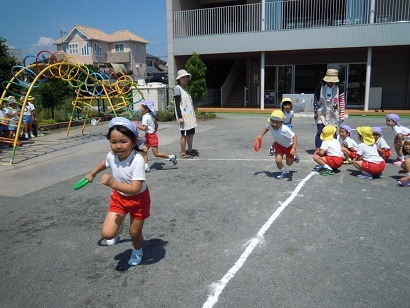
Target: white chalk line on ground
[219,286]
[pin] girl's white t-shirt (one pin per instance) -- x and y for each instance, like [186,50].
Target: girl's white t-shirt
[149,122]
[350,143]
[130,169]
[382,143]
[288,116]
[332,148]
[369,153]
[400,129]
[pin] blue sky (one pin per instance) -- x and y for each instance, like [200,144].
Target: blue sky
[32,26]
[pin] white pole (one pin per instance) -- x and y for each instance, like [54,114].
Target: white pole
[368,74]
[262,92]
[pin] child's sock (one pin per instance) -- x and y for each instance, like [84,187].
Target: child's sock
[283,170]
[146,166]
[327,167]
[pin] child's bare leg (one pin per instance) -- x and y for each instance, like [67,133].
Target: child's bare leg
[136,233]
[159,154]
[111,225]
[346,153]
[398,145]
[279,161]
[358,164]
[320,160]
[290,161]
[144,153]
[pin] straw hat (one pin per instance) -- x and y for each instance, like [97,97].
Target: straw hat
[367,133]
[328,133]
[182,73]
[331,76]
[277,115]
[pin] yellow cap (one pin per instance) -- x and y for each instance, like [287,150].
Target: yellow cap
[277,115]
[328,133]
[367,133]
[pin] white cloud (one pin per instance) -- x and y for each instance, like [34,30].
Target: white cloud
[43,42]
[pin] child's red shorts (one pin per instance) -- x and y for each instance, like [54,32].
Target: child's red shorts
[151,139]
[352,154]
[373,168]
[138,206]
[280,149]
[386,154]
[334,162]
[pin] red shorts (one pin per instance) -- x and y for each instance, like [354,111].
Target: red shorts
[280,149]
[352,154]
[151,139]
[138,206]
[373,168]
[386,154]
[334,162]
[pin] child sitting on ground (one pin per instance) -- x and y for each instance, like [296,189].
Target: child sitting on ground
[150,126]
[285,142]
[349,146]
[382,148]
[329,156]
[368,160]
[393,120]
[289,114]
[405,181]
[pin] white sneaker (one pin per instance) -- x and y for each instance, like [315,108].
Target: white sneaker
[114,240]
[173,158]
[32,135]
[147,169]
[365,176]
[26,136]
[136,257]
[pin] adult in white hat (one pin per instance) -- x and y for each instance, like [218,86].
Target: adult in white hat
[185,114]
[329,103]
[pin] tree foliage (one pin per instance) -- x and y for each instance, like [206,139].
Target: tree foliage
[197,86]
[52,93]
[7,61]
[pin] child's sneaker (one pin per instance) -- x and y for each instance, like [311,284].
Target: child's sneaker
[115,239]
[326,171]
[136,257]
[404,184]
[32,135]
[398,162]
[347,161]
[282,175]
[318,168]
[147,169]
[297,159]
[271,151]
[173,158]
[377,176]
[365,176]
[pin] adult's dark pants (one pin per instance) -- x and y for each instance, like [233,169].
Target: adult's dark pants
[318,141]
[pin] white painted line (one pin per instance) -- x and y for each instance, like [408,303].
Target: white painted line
[219,286]
[233,159]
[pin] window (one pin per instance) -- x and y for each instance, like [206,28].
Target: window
[73,48]
[64,48]
[97,50]
[85,51]
[119,47]
[137,48]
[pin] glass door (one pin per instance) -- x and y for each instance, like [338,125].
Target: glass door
[285,81]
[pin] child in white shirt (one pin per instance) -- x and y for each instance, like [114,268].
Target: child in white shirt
[382,146]
[150,126]
[330,155]
[285,142]
[349,146]
[368,159]
[393,120]
[405,181]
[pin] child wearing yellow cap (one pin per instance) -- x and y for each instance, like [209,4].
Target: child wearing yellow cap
[285,142]
[368,160]
[329,156]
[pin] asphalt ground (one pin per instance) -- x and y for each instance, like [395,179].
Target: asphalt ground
[223,231]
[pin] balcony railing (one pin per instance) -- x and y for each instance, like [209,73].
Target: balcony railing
[285,15]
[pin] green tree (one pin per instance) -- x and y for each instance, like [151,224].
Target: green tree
[7,61]
[197,86]
[53,93]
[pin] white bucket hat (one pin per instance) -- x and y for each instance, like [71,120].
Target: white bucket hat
[182,73]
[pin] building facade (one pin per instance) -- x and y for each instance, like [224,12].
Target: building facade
[121,51]
[257,51]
